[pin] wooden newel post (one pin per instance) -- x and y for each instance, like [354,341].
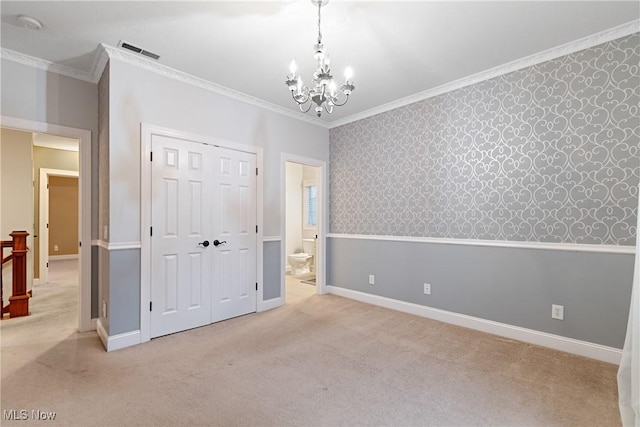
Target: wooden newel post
[19,300]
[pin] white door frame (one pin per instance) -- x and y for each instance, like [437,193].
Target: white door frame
[146,133]
[43,229]
[85,322]
[321,248]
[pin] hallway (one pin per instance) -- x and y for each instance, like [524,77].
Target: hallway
[53,315]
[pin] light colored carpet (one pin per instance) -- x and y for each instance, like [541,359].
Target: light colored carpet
[321,360]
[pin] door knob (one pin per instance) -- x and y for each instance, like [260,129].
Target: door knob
[217,242]
[205,243]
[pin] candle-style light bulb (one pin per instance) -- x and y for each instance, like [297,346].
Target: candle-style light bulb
[293,67]
[348,73]
[332,88]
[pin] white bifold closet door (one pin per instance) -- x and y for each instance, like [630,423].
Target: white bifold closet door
[203,256]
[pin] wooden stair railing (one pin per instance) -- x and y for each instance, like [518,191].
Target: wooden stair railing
[19,299]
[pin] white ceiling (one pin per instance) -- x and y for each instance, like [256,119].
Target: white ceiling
[55,142]
[396,48]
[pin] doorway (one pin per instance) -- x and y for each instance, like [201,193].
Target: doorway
[83,142]
[303,227]
[58,191]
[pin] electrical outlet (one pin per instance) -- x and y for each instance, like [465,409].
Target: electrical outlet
[372,279]
[55,248]
[427,289]
[557,312]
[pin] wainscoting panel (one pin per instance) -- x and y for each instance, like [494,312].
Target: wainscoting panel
[514,286]
[272,275]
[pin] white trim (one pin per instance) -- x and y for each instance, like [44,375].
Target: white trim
[62,257]
[116,342]
[127,339]
[569,345]
[100,61]
[323,217]
[271,238]
[84,207]
[43,220]
[102,333]
[273,303]
[100,243]
[117,246]
[150,65]
[528,61]
[146,133]
[43,64]
[260,303]
[572,247]
[105,52]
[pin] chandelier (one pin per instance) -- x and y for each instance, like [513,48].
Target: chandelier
[324,93]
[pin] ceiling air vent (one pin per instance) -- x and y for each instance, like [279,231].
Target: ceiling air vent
[136,49]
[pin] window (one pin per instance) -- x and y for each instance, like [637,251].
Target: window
[310,204]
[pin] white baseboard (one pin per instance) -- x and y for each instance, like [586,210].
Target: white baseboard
[556,342]
[119,341]
[270,304]
[104,337]
[62,257]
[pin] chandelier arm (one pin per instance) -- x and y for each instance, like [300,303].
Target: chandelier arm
[338,104]
[306,98]
[302,109]
[328,108]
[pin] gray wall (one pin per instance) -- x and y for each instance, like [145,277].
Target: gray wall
[124,285]
[272,275]
[136,96]
[104,272]
[33,94]
[508,285]
[545,154]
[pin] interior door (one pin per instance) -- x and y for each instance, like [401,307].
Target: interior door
[181,278]
[234,224]
[203,236]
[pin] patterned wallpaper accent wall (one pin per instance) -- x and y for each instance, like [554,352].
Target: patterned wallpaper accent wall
[549,153]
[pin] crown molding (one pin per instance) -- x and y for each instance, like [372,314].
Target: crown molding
[172,73]
[100,61]
[104,53]
[45,65]
[538,58]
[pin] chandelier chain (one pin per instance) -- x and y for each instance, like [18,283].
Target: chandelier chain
[319,33]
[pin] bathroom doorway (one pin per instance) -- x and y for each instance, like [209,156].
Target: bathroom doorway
[302,227]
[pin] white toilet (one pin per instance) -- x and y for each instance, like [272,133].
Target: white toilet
[301,262]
